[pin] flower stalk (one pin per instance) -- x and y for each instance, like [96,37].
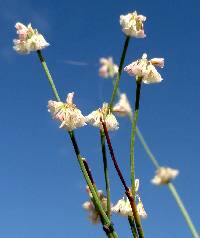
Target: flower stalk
[133,228]
[183,210]
[127,190]
[106,174]
[107,225]
[133,132]
[126,43]
[49,77]
[170,186]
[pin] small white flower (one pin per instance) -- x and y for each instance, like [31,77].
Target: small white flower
[141,211]
[132,24]
[94,216]
[123,206]
[67,113]
[123,107]
[94,118]
[145,70]
[108,68]
[164,175]
[29,39]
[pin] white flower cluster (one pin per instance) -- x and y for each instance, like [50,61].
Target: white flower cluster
[145,70]
[108,68]
[103,113]
[122,107]
[89,206]
[123,206]
[29,39]
[71,117]
[132,25]
[164,175]
[67,113]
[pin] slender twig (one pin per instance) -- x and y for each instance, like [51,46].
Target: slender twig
[107,225]
[119,72]
[127,190]
[133,131]
[106,175]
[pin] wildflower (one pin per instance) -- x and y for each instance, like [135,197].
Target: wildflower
[94,216]
[108,68]
[29,39]
[123,206]
[67,113]
[94,118]
[132,24]
[123,107]
[143,69]
[164,175]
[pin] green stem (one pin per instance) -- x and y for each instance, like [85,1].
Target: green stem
[108,226]
[147,149]
[119,72]
[127,190]
[106,175]
[105,219]
[171,187]
[140,136]
[133,228]
[133,132]
[50,79]
[183,210]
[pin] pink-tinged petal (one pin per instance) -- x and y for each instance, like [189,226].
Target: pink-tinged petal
[141,18]
[158,62]
[69,99]
[141,34]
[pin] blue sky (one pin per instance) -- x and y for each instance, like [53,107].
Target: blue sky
[41,187]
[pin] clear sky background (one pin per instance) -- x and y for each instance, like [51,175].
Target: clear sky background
[41,187]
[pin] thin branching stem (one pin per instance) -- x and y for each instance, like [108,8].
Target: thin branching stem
[183,210]
[126,43]
[127,190]
[133,227]
[133,132]
[170,186]
[107,225]
[106,173]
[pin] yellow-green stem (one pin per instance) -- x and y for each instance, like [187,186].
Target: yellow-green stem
[133,227]
[106,174]
[171,187]
[106,221]
[183,210]
[49,77]
[127,190]
[133,132]
[119,72]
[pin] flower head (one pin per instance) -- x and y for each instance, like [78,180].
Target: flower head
[108,68]
[145,70]
[94,118]
[123,107]
[29,39]
[132,24]
[67,113]
[164,175]
[123,206]
[94,216]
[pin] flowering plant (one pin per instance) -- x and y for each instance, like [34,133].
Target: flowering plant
[70,117]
